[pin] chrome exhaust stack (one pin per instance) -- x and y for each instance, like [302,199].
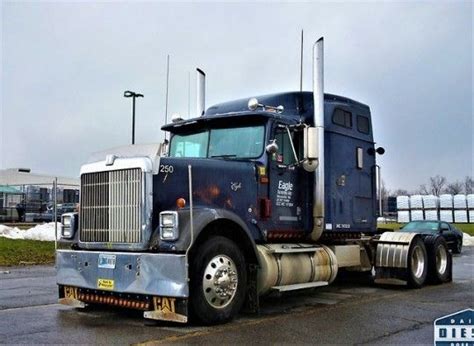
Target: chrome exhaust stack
[318,106]
[201,92]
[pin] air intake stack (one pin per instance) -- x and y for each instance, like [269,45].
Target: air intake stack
[201,92]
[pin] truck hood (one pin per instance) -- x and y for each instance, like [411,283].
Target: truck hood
[150,151]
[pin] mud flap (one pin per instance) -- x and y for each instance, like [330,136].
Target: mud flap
[168,309]
[252,303]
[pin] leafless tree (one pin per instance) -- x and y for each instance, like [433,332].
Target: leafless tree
[384,192]
[454,188]
[423,190]
[399,192]
[468,185]
[437,184]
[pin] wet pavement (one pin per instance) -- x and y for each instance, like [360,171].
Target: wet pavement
[350,311]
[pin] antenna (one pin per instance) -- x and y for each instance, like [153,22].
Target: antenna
[167,89]
[189,93]
[301,63]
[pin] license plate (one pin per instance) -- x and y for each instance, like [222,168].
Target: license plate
[106,261]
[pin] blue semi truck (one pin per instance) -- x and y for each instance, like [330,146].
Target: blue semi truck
[268,194]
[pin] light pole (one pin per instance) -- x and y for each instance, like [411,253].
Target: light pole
[133,95]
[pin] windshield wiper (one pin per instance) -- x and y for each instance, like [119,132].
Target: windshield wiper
[225,156]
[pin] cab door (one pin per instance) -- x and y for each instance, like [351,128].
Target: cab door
[287,185]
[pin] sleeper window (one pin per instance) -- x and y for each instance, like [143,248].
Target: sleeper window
[363,125]
[342,118]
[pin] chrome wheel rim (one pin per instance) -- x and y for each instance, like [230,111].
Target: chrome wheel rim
[418,262]
[220,281]
[441,259]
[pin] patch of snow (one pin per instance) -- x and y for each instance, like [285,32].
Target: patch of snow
[467,240]
[43,232]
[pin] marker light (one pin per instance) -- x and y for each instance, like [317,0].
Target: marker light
[180,203]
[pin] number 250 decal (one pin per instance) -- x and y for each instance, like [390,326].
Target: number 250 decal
[166,169]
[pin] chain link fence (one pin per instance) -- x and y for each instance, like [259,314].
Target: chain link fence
[36,202]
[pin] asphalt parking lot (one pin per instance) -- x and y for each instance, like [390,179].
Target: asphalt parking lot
[351,311]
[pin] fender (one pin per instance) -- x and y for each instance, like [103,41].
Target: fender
[202,217]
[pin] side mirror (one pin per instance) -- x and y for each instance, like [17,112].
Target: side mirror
[163,149]
[311,144]
[272,148]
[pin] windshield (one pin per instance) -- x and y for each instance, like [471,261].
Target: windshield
[428,226]
[235,142]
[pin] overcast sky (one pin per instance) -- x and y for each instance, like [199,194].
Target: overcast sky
[65,67]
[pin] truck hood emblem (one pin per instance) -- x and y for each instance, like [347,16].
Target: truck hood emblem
[110,159]
[235,186]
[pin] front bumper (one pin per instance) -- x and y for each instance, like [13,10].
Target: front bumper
[160,279]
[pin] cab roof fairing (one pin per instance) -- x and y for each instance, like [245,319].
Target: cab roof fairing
[298,108]
[297,104]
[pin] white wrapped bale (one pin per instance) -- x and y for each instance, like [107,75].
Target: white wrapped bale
[403,202]
[471,215]
[459,201]
[446,201]
[403,216]
[416,202]
[431,214]
[430,202]
[417,215]
[470,201]
[446,215]
[460,216]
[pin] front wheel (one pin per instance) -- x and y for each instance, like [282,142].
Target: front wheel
[218,281]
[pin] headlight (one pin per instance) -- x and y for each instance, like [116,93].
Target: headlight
[67,221]
[168,220]
[169,225]
[68,225]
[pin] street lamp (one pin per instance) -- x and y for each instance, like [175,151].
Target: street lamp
[133,95]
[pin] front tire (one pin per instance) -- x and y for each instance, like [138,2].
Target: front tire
[417,263]
[218,281]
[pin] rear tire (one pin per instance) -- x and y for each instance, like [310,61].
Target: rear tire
[439,260]
[218,281]
[417,263]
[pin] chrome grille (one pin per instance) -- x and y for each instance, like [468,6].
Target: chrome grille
[111,206]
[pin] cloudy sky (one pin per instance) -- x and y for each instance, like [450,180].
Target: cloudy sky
[65,66]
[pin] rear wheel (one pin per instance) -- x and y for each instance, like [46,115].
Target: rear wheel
[218,281]
[417,263]
[439,260]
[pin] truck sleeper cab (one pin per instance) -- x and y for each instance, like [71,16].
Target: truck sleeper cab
[231,213]
[254,204]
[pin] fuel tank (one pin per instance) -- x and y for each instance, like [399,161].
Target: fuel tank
[279,266]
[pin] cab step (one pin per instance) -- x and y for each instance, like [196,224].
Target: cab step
[286,288]
[291,248]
